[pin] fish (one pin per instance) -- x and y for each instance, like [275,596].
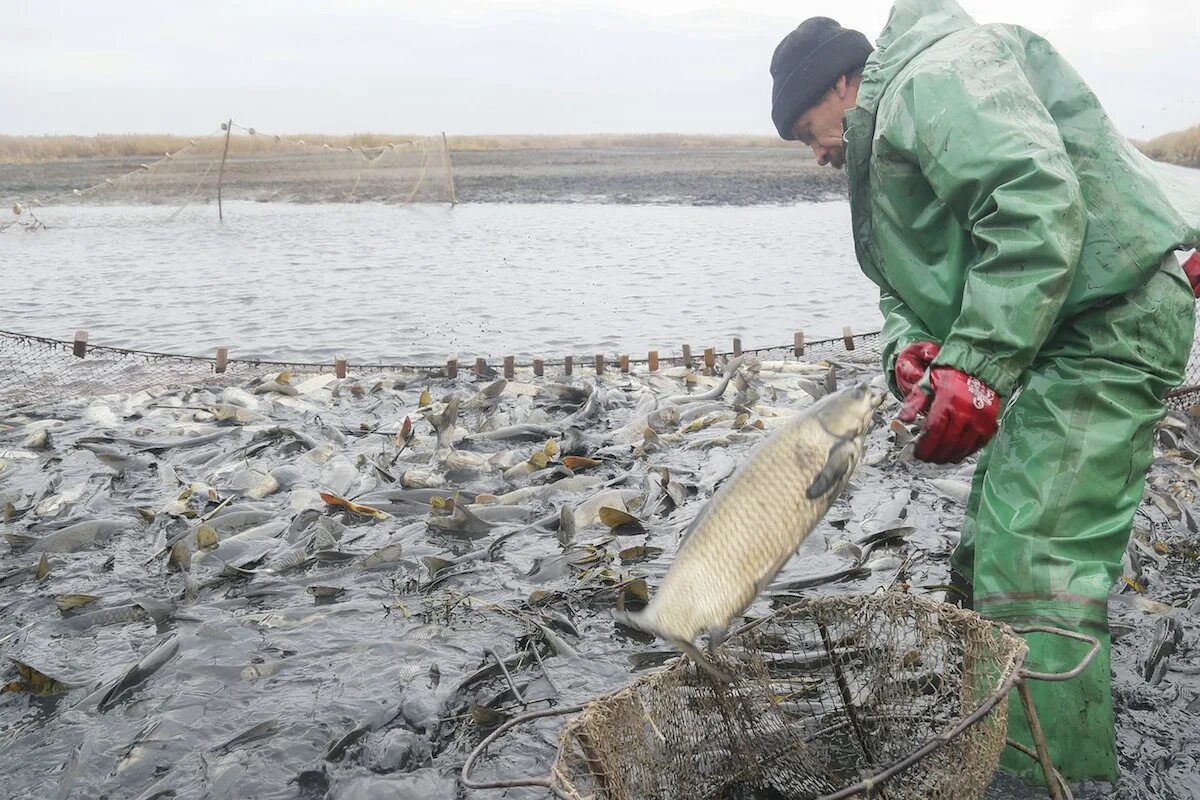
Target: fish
[355,508]
[279,478]
[114,459]
[156,445]
[140,609]
[70,770]
[958,491]
[69,539]
[523,432]
[461,520]
[1168,636]
[717,391]
[383,557]
[141,746]
[743,537]
[139,673]
[260,731]
[444,423]
[421,479]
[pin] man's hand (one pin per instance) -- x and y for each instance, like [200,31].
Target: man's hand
[912,363]
[963,415]
[1191,268]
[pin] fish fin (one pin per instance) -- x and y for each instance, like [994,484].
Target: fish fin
[639,620]
[830,385]
[837,466]
[715,638]
[702,661]
[20,541]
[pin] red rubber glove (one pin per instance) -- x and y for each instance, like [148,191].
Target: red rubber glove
[1191,268]
[963,415]
[912,363]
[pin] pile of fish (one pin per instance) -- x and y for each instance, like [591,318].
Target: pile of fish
[304,586]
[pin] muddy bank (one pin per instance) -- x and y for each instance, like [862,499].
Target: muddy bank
[690,176]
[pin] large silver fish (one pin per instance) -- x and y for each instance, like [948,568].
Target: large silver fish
[757,520]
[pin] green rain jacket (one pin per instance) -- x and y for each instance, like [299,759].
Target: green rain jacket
[991,196]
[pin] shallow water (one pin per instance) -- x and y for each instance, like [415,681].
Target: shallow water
[413,284]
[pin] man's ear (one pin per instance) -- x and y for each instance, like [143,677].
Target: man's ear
[842,86]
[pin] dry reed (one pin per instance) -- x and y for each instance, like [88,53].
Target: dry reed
[33,149]
[1180,147]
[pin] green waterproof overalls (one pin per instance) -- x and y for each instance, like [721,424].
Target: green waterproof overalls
[1003,216]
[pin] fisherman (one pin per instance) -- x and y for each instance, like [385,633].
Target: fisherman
[1032,302]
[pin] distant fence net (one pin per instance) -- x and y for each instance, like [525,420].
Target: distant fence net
[237,162]
[37,369]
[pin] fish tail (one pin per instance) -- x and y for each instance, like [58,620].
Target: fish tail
[638,620]
[643,621]
[703,661]
[20,541]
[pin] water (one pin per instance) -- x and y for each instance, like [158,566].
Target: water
[415,284]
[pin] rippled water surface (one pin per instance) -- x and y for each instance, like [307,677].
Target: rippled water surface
[417,283]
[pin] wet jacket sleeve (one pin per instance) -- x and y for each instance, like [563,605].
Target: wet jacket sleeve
[900,329]
[993,155]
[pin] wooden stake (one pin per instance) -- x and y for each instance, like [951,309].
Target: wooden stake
[737,347]
[798,343]
[80,348]
[221,174]
[687,355]
[452,368]
[480,366]
[848,337]
[624,362]
[510,366]
[539,367]
[222,359]
[599,364]
[710,357]
[568,365]
[449,170]
[652,360]
[339,366]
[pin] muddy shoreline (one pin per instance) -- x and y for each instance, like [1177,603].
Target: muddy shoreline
[685,176]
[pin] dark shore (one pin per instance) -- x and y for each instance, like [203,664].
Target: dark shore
[684,176]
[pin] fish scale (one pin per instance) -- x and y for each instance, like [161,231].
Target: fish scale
[758,519]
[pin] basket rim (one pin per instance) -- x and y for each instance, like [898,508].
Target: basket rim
[1009,677]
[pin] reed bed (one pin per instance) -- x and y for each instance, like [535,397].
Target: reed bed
[34,149]
[1180,147]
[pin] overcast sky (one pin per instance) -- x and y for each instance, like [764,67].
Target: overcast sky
[505,66]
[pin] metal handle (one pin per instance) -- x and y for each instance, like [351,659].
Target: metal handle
[1063,787]
[544,783]
[1061,676]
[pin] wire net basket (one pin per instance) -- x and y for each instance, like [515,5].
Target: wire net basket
[886,696]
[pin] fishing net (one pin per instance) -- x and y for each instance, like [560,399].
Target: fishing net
[37,369]
[42,369]
[827,693]
[1188,393]
[240,163]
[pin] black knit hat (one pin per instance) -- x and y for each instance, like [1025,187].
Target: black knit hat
[807,63]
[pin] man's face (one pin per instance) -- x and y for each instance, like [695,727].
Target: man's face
[820,127]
